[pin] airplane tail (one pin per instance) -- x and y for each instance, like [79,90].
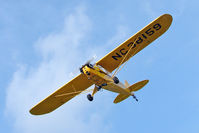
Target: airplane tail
[135,87]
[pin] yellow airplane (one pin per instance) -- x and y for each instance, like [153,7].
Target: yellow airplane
[99,74]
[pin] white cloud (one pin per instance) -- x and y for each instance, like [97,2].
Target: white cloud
[60,52]
[155,8]
[149,9]
[121,35]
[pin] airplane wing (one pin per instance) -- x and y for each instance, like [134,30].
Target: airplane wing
[62,95]
[137,42]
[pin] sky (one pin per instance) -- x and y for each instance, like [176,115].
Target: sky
[43,42]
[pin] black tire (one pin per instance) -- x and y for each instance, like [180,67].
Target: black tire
[116,80]
[90,98]
[99,88]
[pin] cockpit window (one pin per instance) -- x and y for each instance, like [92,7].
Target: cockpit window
[103,70]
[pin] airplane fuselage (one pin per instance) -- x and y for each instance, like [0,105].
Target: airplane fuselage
[103,79]
[95,74]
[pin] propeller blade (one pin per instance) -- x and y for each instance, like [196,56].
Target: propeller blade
[92,59]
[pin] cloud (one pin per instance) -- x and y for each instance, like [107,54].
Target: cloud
[155,8]
[60,52]
[149,9]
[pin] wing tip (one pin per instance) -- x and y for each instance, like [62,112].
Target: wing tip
[115,101]
[146,81]
[34,111]
[31,111]
[168,18]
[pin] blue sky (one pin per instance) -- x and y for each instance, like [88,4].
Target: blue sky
[41,42]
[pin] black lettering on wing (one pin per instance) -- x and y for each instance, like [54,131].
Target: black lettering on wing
[115,57]
[139,40]
[131,43]
[157,26]
[123,51]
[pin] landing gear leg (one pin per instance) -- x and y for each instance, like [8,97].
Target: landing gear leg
[89,96]
[97,88]
[135,98]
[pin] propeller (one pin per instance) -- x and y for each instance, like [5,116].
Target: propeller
[88,63]
[91,60]
[76,71]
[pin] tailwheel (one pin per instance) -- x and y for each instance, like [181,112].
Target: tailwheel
[135,98]
[90,98]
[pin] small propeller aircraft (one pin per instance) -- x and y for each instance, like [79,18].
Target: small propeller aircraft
[99,74]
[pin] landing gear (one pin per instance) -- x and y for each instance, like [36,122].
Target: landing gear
[116,80]
[90,98]
[99,88]
[135,98]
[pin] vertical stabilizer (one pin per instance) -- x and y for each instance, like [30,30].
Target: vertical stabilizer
[126,84]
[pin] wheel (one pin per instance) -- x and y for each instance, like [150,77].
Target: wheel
[90,98]
[105,84]
[99,88]
[116,80]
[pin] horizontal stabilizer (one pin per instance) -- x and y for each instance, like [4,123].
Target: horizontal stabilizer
[135,87]
[126,84]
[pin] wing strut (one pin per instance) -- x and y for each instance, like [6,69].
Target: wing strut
[76,92]
[117,70]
